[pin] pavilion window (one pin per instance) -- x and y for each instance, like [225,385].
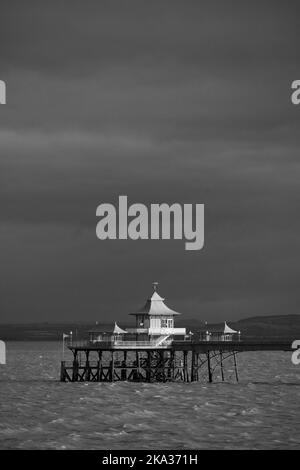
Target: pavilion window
[167,323]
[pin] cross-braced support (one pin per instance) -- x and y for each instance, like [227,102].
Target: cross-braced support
[153,365]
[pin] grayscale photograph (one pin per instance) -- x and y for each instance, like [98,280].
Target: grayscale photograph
[149,229]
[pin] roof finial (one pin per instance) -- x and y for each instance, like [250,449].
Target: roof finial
[155,285]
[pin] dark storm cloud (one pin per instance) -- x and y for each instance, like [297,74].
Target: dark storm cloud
[165,102]
[61,37]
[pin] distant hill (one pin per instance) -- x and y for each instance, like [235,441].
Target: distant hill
[274,326]
[45,331]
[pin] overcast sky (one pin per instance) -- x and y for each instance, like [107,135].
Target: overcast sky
[163,101]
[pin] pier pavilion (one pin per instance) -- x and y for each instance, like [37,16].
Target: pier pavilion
[154,327]
[220,334]
[157,351]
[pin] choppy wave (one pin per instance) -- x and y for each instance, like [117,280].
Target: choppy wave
[39,412]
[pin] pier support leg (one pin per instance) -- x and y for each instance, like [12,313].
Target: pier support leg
[75,368]
[168,366]
[99,367]
[148,367]
[138,369]
[181,370]
[235,367]
[173,361]
[171,366]
[124,366]
[87,366]
[63,371]
[221,364]
[210,378]
[185,366]
[197,366]
[112,367]
[193,366]
[163,365]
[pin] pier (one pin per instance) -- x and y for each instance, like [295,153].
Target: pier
[156,351]
[180,361]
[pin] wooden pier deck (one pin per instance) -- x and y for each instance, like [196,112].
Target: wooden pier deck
[238,346]
[200,346]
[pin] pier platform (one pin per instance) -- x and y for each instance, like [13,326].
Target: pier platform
[143,361]
[155,350]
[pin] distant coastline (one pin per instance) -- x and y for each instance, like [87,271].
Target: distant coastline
[273,326]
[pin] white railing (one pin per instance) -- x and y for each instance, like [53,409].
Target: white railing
[82,343]
[140,344]
[167,331]
[159,343]
[137,330]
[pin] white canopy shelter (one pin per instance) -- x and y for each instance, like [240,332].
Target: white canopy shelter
[228,330]
[118,331]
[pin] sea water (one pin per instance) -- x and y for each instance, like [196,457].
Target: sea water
[261,411]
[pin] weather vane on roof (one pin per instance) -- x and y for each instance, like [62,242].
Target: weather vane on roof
[155,285]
